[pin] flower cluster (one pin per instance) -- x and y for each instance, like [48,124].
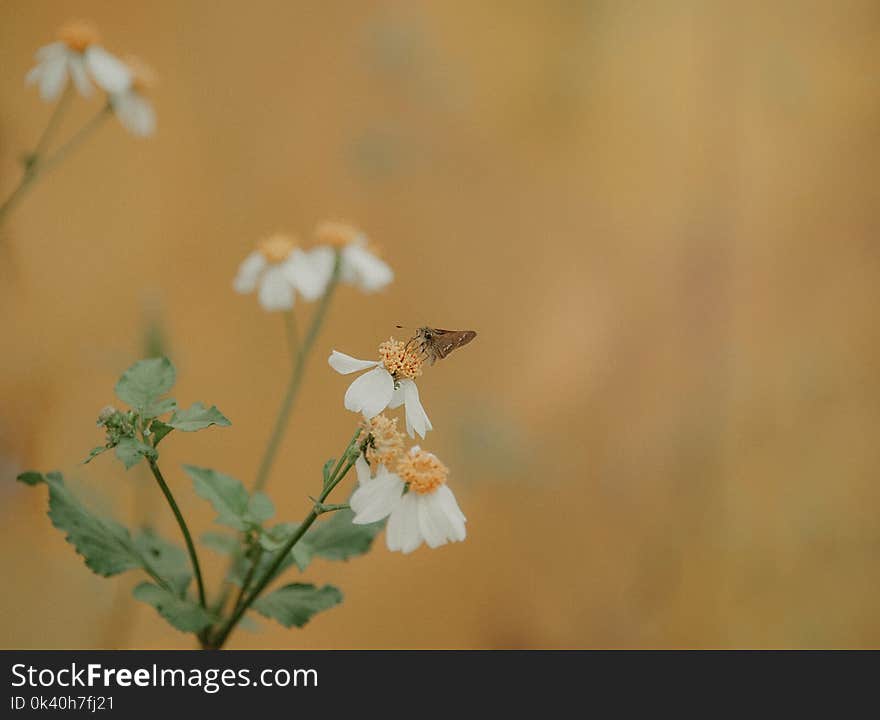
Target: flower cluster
[407,488]
[78,56]
[279,268]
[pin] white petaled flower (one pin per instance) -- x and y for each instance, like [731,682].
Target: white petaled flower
[360,264]
[427,512]
[132,105]
[389,383]
[77,55]
[278,269]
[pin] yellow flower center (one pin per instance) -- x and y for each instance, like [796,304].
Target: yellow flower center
[422,471]
[336,234]
[78,35]
[384,442]
[277,248]
[399,360]
[143,77]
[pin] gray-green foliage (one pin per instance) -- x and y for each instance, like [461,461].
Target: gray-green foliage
[295,604]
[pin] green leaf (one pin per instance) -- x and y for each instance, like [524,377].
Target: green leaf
[94,452]
[273,539]
[340,539]
[159,430]
[31,477]
[167,560]
[260,508]
[249,624]
[198,417]
[225,493]
[160,407]
[295,604]
[145,381]
[220,542]
[130,451]
[106,546]
[183,614]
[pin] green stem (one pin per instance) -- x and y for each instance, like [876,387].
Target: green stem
[267,577]
[194,559]
[296,377]
[36,167]
[249,577]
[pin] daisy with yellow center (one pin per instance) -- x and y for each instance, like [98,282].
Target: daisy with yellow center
[390,383]
[77,55]
[360,264]
[132,105]
[418,503]
[278,269]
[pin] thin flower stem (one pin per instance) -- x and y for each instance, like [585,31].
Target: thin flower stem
[292,333]
[249,577]
[296,377]
[36,167]
[52,125]
[194,559]
[317,509]
[283,417]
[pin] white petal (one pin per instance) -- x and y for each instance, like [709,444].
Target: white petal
[249,272]
[416,417]
[377,498]
[276,293]
[432,524]
[362,468]
[402,532]
[109,72]
[80,76]
[346,364]
[398,398]
[364,269]
[446,502]
[370,393]
[53,78]
[306,275]
[135,113]
[52,51]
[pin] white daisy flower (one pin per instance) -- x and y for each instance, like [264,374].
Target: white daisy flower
[77,55]
[389,384]
[132,105]
[427,512]
[359,263]
[279,269]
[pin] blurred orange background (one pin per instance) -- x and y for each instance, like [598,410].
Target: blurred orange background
[660,217]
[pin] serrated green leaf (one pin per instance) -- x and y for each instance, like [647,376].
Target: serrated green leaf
[106,546]
[145,381]
[183,614]
[166,559]
[249,624]
[219,542]
[159,430]
[94,452]
[31,477]
[225,493]
[275,537]
[339,538]
[198,417]
[295,604]
[130,451]
[260,508]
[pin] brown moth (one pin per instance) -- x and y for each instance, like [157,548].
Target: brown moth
[436,344]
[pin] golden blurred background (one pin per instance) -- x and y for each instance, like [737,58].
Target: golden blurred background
[661,218]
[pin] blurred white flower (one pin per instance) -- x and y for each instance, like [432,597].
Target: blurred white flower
[389,384]
[132,105]
[278,269]
[359,263]
[427,512]
[77,55]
